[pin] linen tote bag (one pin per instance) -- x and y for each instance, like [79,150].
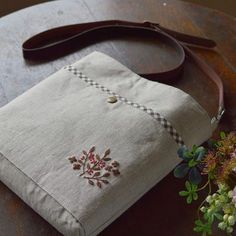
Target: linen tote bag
[87,142]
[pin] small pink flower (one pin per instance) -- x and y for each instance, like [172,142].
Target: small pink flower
[234,195]
[92,158]
[90,171]
[93,161]
[82,158]
[102,164]
[233,154]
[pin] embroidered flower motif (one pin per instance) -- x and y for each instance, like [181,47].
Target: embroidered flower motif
[94,168]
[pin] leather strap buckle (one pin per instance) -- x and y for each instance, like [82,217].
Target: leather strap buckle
[219,115]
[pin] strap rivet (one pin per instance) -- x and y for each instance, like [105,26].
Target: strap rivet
[112,99]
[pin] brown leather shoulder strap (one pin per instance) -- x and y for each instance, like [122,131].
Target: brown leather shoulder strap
[60,41]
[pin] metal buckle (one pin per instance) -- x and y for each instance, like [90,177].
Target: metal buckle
[220,113]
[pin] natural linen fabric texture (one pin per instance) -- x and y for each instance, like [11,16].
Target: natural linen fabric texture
[63,115]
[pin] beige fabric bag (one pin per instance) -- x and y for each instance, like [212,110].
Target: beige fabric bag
[120,132]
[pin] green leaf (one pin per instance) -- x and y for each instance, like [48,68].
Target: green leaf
[192,163]
[211,218]
[181,152]
[188,155]
[219,216]
[204,228]
[206,216]
[188,186]
[183,193]
[194,148]
[189,199]
[181,170]
[195,176]
[194,187]
[195,196]
[222,135]
[198,222]
[190,192]
[197,229]
[200,153]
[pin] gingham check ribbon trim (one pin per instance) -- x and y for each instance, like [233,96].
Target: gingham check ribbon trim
[165,123]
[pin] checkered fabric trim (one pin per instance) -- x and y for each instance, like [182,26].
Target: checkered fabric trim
[165,123]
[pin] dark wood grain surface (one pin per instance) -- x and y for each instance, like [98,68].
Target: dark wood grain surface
[161,211]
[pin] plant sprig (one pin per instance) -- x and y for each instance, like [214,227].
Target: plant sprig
[218,162]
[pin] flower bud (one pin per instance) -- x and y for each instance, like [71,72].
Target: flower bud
[209,199]
[230,194]
[229,230]
[222,198]
[222,225]
[217,202]
[225,217]
[214,195]
[203,209]
[231,220]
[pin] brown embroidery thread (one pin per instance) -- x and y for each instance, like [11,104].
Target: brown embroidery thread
[95,169]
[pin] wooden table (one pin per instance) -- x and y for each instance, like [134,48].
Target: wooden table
[161,211]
